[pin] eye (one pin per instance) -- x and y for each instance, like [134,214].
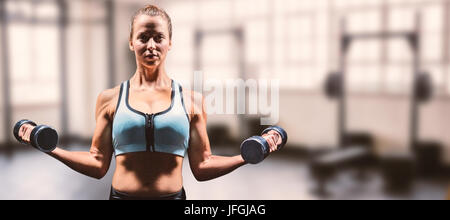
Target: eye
[158,38]
[144,37]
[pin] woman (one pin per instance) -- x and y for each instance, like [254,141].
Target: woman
[146,123]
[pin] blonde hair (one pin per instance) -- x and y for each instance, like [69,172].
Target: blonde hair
[151,10]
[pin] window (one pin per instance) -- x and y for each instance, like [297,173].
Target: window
[33,51]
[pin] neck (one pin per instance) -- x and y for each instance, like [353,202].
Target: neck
[150,77]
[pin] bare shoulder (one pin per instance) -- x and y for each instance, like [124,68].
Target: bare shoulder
[107,101]
[193,101]
[109,94]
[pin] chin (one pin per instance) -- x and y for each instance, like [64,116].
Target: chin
[152,64]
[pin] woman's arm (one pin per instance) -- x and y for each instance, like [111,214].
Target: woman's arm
[96,162]
[204,165]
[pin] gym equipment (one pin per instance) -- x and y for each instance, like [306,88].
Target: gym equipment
[219,135]
[429,157]
[398,171]
[42,137]
[255,149]
[424,87]
[324,166]
[333,85]
[356,152]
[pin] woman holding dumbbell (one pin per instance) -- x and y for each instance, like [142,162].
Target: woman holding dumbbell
[149,127]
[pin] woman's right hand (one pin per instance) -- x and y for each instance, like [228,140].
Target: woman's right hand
[25,132]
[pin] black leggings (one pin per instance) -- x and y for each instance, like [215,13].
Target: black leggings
[115,195]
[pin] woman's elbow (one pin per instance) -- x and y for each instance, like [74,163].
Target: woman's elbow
[100,167]
[200,178]
[200,175]
[99,173]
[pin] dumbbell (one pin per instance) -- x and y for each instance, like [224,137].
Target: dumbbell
[42,137]
[255,149]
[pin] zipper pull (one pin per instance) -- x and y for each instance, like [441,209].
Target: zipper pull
[152,120]
[149,120]
[152,131]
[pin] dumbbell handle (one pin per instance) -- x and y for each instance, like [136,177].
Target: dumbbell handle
[25,132]
[277,138]
[280,132]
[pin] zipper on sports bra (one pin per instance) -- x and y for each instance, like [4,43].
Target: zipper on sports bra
[150,131]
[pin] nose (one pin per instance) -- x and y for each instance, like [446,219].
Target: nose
[151,45]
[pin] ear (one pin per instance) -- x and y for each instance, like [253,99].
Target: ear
[170,44]
[130,44]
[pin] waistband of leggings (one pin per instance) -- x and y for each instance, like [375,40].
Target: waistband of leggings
[180,195]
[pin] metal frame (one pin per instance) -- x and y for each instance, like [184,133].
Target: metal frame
[413,39]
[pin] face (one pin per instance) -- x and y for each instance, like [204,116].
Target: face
[150,41]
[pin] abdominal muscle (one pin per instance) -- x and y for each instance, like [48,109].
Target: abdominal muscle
[148,174]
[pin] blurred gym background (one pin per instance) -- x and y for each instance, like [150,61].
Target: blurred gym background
[364,91]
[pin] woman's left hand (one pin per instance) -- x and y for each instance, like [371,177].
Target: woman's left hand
[274,139]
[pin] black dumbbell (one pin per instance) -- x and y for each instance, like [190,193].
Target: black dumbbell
[255,149]
[42,137]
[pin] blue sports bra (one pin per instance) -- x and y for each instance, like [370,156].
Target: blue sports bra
[166,131]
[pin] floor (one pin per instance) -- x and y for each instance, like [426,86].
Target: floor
[30,175]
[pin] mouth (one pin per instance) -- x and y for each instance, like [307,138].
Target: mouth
[151,57]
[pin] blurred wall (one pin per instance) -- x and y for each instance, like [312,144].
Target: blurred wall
[87,65]
[310,119]
[294,41]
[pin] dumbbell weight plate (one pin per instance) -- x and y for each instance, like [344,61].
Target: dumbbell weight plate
[44,138]
[254,149]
